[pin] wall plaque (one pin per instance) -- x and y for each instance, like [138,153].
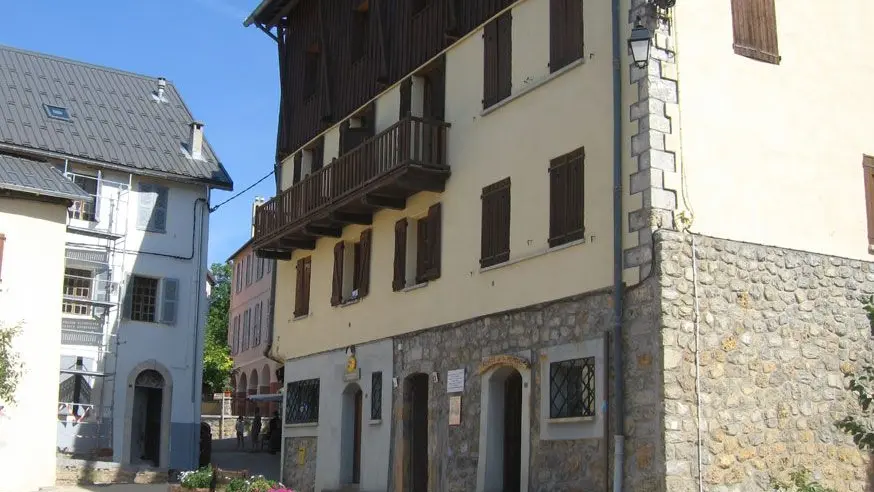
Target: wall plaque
[455,381]
[455,410]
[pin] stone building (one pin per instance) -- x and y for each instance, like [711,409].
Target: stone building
[585,203]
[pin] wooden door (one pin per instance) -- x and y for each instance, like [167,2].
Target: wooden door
[418,447]
[356,440]
[512,432]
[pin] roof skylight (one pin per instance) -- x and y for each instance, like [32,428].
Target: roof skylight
[57,112]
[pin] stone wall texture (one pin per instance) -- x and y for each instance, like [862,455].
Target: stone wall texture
[301,478]
[777,331]
[569,465]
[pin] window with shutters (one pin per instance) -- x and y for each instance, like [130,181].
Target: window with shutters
[236,336]
[497,60]
[755,29]
[351,269]
[248,267]
[313,158]
[868,168]
[239,275]
[495,240]
[259,268]
[359,35]
[247,329]
[565,33]
[566,184]
[78,284]
[144,299]
[311,71]
[302,288]
[152,207]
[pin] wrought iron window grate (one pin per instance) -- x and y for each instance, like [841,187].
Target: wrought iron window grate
[376,396]
[572,388]
[302,402]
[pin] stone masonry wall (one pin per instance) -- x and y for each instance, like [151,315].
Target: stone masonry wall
[778,330]
[301,478]
[555,466]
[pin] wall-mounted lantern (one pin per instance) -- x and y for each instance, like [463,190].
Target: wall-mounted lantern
[639,43]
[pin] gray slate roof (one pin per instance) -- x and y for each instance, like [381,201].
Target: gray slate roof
[115,118]
[41,178]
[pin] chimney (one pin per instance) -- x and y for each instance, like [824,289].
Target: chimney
[162,84]
[258,202]
[195,140]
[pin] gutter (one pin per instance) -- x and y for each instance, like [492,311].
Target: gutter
[618,409]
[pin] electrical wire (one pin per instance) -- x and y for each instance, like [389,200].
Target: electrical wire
[256,183]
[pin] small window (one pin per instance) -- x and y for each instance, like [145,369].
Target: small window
[81,209]
[572,388]
[302,402]
[302,287]
[566,198]
[259,268]
[497,60]
[78,284]
[359,35]
[57,112]
[565,33]
[495,240]
[754,24]
[144,300]
[417,249]
[376,396]
[247,319]
[351,269]
[239,275]
[312,67]
[248,267]
[152,212]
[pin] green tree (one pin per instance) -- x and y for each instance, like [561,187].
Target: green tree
[217,363]
[10,364]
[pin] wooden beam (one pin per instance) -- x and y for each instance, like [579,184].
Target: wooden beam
[382,76]
[273,255]
[350,218]
[308,244]
[323,231]
[424,182]
[385,202]
[282,13]
[325,85]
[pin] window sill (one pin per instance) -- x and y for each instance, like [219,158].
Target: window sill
[534,86]
[301,317]
[536,254]
[414,287]
[375,422]
[350,302]
[570,420]
[301,426]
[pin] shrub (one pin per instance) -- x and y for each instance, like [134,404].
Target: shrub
[198,479]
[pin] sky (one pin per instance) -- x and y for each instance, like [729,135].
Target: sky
[226,73]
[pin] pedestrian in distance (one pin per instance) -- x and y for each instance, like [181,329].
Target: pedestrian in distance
[241,428]
[256,429]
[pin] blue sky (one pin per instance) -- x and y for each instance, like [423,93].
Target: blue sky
[226,73]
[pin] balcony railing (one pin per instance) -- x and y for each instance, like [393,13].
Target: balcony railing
[374,166]
[81,331]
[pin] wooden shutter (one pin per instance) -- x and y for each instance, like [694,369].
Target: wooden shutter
[868,167]
[169,300]
[2,244]
[421,250]
[434,242]
[490,64]
[298,162]
[399,279]
[565,33]
[566,186]
[127,304]
[337,286]
[406,98]
[318,155]
[755,29]
[307,275]
[495,240]
[505,55]
[299,307]
[364,263]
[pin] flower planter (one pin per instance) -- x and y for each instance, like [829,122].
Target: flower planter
[225,476]
[178,488]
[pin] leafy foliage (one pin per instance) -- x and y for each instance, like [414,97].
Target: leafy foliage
[217,363]
[198,479]
[11,366]
[799,481]
[255,484]
[859,427]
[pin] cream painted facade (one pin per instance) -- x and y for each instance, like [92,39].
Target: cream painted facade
[569,110]
[30,295]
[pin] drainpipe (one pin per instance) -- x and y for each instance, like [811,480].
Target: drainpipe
[618,409]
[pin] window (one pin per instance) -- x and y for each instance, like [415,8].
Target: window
[269,264]
[247,262]
[239,275]
[78,284]
[497,37]
[235,335]
[256,325]
[566,198]
[495,241]
[57,112]
[565,33]
[376,396]
[85,210]
[351,270]
[572,388]
[2,244]
[152,211]
[141,300]
[247,320]
[302,288]
[755,29]
[312,65]
[867,167]
[302,402]
[359,37]
[75,388]
[259,270]
[316,154]
[417,249]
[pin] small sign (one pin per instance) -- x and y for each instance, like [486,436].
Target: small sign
[301,455]
[455,381]
[352,373]
[454,410]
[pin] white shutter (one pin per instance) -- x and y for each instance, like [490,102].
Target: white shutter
[145,204]
[128,297]
[170,300]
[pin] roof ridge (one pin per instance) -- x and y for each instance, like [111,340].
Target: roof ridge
[80,63]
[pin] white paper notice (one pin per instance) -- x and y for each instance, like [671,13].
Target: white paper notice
[455,381]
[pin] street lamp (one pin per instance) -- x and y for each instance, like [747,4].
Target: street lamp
[639,42]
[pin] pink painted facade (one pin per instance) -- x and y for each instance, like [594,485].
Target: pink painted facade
[249,331]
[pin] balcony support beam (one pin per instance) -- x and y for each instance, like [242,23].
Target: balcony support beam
[426,182]
[273,255]
[385,202]
[349,218]
[313,230]
[307,244]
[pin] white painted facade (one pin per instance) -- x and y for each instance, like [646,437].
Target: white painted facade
[172,259]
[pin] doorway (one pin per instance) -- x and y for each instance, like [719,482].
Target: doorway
[504,431]
[416,396]
[351,434]
[147,417]
[512,432]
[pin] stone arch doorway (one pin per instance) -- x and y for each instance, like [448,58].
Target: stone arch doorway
[147,416]
[416,431]
[352,415]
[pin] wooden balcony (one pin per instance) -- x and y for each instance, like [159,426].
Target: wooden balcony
[383,172]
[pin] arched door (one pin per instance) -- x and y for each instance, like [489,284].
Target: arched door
[146,419]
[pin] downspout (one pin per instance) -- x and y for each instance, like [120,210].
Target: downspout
[618,409]
[198,353]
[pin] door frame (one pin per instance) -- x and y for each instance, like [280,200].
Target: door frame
[166,407]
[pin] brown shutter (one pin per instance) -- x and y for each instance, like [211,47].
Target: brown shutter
[495,241]
[566,188]
[421,250]
[565,33]
[308,269]
[337,286]
[406,98]
[867,166]
[755,29]
[556,34]
[364,259]
[399,279]
[2,244]
[505,55]
[298,289]
[433,242]
[298,160]
[490,64]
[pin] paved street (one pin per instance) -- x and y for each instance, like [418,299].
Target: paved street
[225,456]
[161,487]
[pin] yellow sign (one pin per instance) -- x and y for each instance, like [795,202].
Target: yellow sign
[301,455]
[351,364]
